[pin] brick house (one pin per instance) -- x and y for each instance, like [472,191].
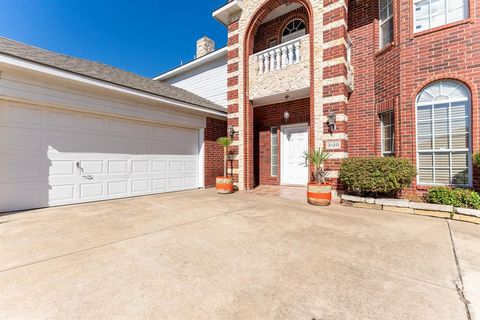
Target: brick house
[357,78]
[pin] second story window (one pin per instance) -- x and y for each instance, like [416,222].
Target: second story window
[294,29]
[386,22]
[430,14]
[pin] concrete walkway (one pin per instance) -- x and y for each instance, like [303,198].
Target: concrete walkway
[199,255]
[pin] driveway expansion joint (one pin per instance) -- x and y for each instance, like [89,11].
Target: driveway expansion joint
[459,283]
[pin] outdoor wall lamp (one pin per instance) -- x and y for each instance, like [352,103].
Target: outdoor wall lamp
[332,122]
[231,132]
[286,114]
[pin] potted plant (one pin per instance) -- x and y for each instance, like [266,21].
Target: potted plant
[224,184]
[319,193]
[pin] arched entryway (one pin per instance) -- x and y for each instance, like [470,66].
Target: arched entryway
[278,39]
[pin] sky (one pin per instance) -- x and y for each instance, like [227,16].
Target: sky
[147,37]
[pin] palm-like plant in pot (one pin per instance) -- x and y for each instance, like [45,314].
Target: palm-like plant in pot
[224,184]
[319,192]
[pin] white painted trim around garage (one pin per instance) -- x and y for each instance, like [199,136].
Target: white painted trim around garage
[20,63]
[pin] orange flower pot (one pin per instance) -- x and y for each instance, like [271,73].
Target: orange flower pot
[319,194]
[224,185]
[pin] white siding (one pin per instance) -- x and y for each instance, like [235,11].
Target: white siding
[208,80]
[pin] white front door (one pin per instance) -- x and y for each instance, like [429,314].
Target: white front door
[294,144]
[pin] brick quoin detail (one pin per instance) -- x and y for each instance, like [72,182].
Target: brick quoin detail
[337,90]
[213,152]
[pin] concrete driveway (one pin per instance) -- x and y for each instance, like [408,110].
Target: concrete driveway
[198,255]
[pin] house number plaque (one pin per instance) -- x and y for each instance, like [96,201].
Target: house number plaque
[334,145]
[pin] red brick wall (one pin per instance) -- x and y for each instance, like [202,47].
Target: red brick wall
[213,152]
[269,116]
[448,52]
[390,79]
[272,30]
[363,120]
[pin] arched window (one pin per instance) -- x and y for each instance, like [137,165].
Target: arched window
[294,29]
[443,134]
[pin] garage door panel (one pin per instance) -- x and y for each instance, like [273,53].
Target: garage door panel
[62,168]
[159,185]
[190,181]
[117,167]
[91,190]
[117,158]
[117,188]
[62,193]
[159,166]
[90,167]
[139,166]
[140,186]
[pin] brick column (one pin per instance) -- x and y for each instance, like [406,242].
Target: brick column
[233,93]
[335,85]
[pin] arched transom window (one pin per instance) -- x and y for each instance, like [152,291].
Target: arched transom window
[443,134]
[294,29]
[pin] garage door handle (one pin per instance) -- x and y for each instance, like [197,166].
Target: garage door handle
[79,167]
[89,177]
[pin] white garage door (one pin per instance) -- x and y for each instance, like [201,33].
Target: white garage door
[50,157]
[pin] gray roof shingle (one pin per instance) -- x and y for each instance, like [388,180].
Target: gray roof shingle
[102,72]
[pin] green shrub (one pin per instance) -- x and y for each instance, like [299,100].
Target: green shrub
[376,176]
[462,198]
[476,159]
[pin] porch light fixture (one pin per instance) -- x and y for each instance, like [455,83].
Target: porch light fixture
[332,122]
[286,114]
[231,132]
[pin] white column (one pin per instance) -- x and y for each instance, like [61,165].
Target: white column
[290,53]
[284,57]
[266,62]
[278,59]
[201,158]
[297,52]
[260,64]
[272,60]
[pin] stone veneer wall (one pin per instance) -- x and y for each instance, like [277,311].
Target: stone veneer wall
[328,69]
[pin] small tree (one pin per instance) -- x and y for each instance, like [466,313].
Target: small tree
[317,158]
[225,142]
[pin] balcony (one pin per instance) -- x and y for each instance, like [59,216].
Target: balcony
[281,69]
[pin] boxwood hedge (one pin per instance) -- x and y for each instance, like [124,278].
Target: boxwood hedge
[376,176]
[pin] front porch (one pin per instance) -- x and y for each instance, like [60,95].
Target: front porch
[281,136]
[294,193]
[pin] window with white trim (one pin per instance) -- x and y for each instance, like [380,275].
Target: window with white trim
[274,151]
[443,134]
[387,121]
[386,22]
[434,13]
